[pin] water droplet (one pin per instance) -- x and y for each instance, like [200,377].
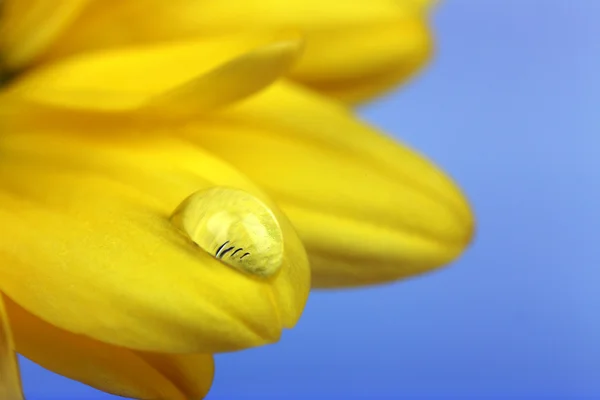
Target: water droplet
[234,227]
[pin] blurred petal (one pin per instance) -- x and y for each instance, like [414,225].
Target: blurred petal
[28,26]
[112,369]
[10,380]
[403,50]
[192,373]
[368,209]
[178,78]
[108,263]
[356,62]
[348,43]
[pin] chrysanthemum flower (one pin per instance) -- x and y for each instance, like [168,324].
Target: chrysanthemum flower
[114,113]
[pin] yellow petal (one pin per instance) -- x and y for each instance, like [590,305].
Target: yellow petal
[27,27]
[357,62]
[10,381]
[230,82]
[112,369]
[348,43]
[177,79]
[368,209]
[89,246]
[192,373]
[413,50]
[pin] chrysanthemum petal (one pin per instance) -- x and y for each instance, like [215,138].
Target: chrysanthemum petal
[370,76]
[350,63]
[368,209]
[226,84]
[191,373]
[27,27]
[109,368]
[175,78]
[107,261]
[348,43]
[10,381]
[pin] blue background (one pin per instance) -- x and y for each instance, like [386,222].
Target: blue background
[511,109]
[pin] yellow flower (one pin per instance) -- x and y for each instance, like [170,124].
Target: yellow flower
[108,274]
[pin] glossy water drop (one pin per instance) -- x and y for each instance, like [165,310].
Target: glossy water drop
[234,227]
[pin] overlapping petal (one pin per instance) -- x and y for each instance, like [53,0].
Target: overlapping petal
[189,77]
[113,369]
[354,49]
[28,27]
[368,209]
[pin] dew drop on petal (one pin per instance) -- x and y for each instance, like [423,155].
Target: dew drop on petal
[234,227]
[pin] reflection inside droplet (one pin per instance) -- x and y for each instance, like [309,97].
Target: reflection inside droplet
[234,227]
